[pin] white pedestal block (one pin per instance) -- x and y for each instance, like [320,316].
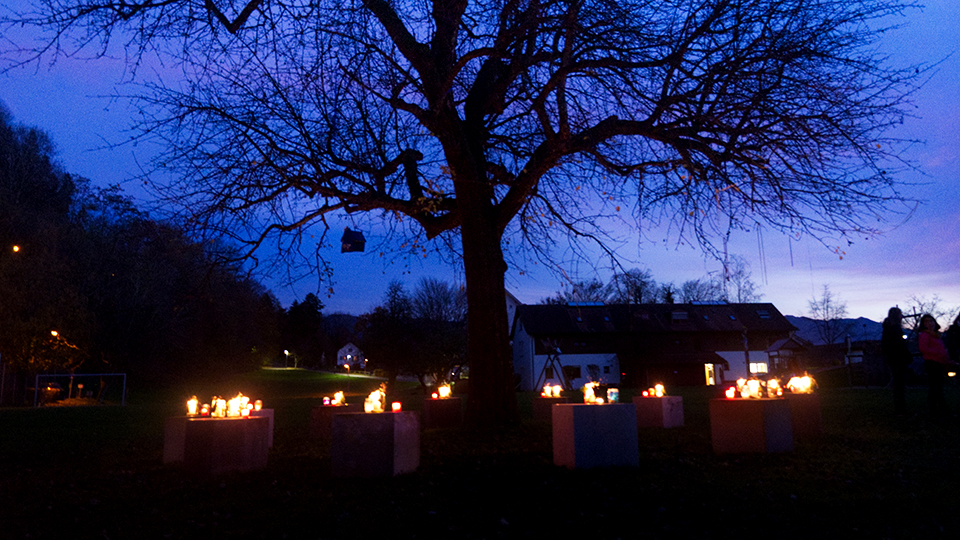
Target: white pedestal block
[442,413]
[321,418]
[543,407]
[665,412]
[587,436]
[218,445]
[750,425]
[805,415]
[375,444]
[268,413]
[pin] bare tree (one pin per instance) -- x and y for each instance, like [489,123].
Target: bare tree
[736,281]
[828,311]
[633,286]
[700,290]
[479,122]
[437,301]
[592,291]
[918,305]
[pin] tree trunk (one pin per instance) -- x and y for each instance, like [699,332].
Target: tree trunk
[491,400]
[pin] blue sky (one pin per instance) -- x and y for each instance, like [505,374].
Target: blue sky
[916,257]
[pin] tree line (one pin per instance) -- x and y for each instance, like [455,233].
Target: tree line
[90,283]
[636,286]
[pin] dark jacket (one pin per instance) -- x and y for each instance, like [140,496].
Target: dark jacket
[893,346]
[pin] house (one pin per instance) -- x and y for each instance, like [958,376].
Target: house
[351,355]
[637,345]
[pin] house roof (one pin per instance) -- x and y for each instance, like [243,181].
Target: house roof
[573,319]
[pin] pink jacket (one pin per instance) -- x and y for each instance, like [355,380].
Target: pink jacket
[931,347]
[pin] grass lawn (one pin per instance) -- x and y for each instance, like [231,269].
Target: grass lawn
[97,472]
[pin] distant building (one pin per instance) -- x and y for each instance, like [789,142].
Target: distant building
[637,345]
[351,355]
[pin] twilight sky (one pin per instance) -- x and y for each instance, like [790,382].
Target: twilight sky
[919,256]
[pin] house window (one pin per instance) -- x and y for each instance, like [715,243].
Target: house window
[758,367]
[571,372]
[678,316]
[606,370]
[710,374]
[764,314]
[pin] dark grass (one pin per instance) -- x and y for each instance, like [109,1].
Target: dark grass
[97,473]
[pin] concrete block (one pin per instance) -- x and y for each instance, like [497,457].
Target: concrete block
[442,413]
[587,436]
[665,412]
[174,431]
[806,416]
[219,445]
[750,425]
[321,418]
[373,445]
[267,413]
[543,407]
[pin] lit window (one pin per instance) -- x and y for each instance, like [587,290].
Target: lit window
[758,367]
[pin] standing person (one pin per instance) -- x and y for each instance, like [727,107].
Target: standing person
[935,361]
[897,356]
[951,340]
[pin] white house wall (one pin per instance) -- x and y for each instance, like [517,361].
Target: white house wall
[738,363]
[608,363]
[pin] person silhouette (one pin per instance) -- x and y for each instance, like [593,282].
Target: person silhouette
[898,357]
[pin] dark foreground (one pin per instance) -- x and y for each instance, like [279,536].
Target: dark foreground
[97,472]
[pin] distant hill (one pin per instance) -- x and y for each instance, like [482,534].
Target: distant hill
[858,329]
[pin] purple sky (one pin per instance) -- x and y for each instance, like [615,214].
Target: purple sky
[919,257]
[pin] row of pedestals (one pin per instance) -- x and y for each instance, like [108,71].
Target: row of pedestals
[362,444]
[584,436]
[587,436]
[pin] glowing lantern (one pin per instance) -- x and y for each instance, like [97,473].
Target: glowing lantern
[205,410]
[551,391]
[395,406]
[233,406]
[613,395]
[801,385]
[245,411]
[326,400]
[257,405]
[444,391]
[731,392]
[589,394]
[337,399]
[374,402]
[773,388]
[434,396]
[192,406]
[221,410]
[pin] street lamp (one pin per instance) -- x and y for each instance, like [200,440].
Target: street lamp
[287,354]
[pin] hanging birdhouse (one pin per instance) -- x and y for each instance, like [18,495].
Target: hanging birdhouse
[352,241]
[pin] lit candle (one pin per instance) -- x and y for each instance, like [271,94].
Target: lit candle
[205,410]
[326,401]
[192,406]
[257,405]
[435,395]
[731,392]
[395,406]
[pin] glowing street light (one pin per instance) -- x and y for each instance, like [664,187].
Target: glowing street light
[287,354]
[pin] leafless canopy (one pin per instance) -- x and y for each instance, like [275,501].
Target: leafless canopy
[506,124]
[773,110]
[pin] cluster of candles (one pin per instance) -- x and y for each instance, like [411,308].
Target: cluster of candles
[443,392]
[336,401]
[374,402]
[656,391]
[551,391]
[223,408]
[756,389]
[590,394]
